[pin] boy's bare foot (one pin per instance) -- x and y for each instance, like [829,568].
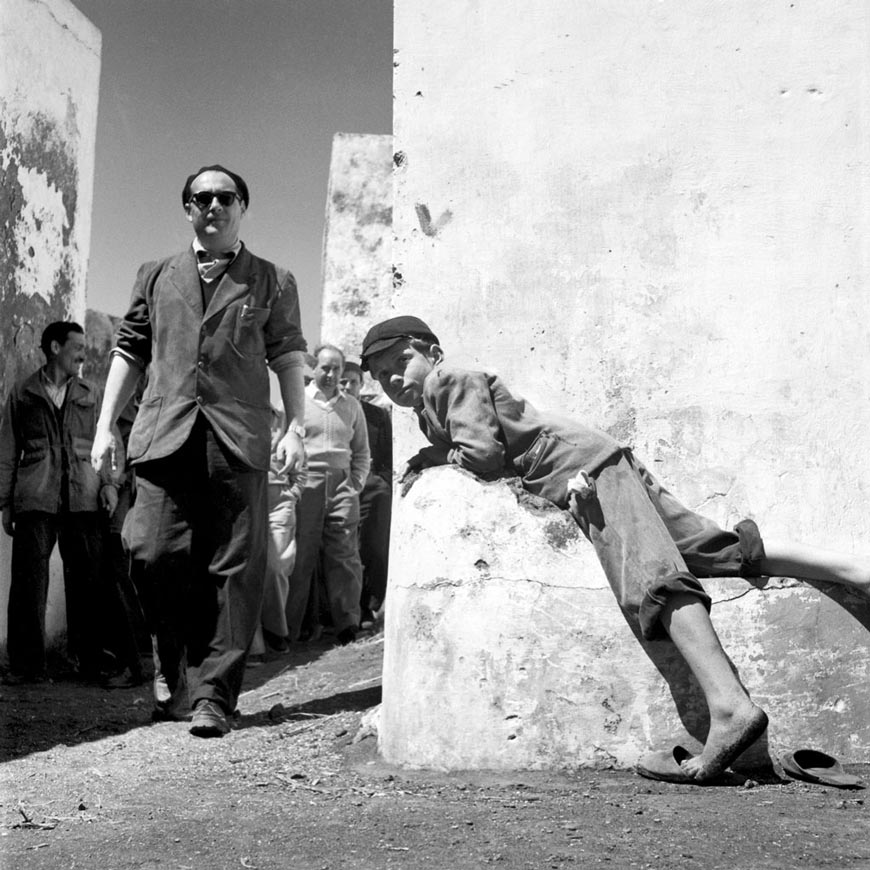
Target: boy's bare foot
[729,736]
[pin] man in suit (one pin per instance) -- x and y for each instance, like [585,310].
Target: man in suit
[206,322]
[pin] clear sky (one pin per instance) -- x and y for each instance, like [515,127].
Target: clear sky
[260,86]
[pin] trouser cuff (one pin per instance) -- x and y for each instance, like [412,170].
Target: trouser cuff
[649,615]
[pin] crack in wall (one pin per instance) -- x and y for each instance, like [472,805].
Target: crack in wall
[444,583]
[70,31]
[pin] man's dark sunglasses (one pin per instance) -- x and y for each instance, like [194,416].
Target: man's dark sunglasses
[203,199]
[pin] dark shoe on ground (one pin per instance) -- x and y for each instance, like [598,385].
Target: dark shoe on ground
[162,713]
[346,636]
[209,720]
[169,706]
[811,765]
[274,642]
[665,765]
[311,634]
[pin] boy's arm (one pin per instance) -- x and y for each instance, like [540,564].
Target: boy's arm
[463,405]
[426,457]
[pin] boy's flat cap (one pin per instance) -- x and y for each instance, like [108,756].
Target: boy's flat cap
[386,333]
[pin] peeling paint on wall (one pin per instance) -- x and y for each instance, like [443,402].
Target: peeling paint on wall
[39,267]
[357,248]
[49,85]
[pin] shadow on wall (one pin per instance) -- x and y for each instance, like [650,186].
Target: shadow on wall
[800,622]
[691,706]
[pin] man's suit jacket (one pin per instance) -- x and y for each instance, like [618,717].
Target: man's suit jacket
[212,362]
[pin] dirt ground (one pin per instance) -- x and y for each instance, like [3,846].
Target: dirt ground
[88,782]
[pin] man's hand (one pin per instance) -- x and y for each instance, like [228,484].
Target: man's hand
[290,452]
[109,498]
[8,522]
[104,445]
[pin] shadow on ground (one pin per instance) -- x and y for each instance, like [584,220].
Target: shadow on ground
[42,716]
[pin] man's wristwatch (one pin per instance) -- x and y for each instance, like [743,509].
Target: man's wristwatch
[296,429]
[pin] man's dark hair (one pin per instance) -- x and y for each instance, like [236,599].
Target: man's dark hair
[239,182]
[58,331]
[353,367]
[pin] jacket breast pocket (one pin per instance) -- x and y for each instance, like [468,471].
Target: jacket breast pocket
[248,337]
[542,468]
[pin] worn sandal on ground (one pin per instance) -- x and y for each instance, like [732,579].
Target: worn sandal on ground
[665,765]
[810,765]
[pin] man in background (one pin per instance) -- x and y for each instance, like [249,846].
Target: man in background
[336,445]
[49,493]
[376,498]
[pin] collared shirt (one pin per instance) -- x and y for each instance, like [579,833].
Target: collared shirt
[336,436]
[317,395]
[57,394]
[211,265]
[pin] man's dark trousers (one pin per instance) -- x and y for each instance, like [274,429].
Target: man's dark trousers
[376,507]
[77,535]
[197,536]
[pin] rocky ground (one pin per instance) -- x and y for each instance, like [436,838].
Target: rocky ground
[88,782]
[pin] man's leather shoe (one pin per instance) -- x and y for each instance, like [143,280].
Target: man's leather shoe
[209,720]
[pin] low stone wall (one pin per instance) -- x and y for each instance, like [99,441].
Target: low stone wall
[505,648]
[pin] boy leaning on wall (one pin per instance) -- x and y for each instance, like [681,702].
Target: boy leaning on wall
[651,547]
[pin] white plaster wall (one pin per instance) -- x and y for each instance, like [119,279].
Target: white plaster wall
[505,648]
[357,238]
[653,216]
[49,84]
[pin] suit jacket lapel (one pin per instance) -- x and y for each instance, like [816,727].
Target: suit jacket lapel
[185,277]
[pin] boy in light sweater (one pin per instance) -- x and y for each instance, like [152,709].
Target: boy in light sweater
[650,546]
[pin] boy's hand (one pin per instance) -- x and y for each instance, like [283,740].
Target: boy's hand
[407,480]
[409,468]
[8,521]
[581,486]
[409,473]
